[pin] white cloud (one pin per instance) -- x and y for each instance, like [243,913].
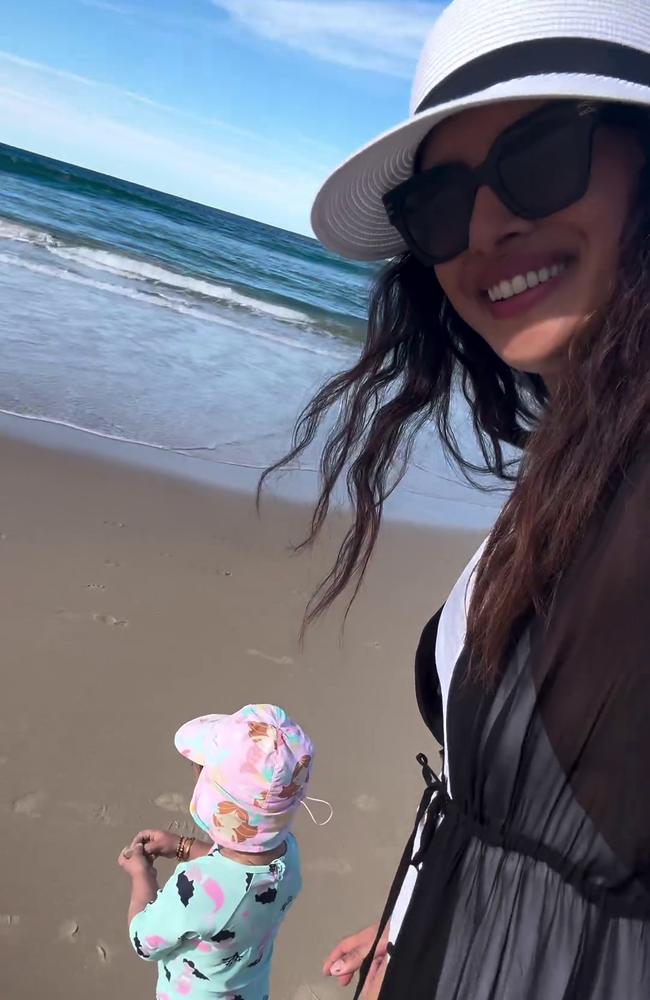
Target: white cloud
[30,64]
[191,118]
[380,35]
[112,8]
[75,119]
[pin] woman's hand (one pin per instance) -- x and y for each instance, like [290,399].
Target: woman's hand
[157,843]
[345,960]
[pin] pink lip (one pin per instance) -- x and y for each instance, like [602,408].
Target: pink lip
[520,304]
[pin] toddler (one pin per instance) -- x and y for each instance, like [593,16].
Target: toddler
[211,928]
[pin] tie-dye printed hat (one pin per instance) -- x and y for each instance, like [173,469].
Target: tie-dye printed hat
[256,766]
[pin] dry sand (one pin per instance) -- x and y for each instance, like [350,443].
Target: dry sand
[132,601]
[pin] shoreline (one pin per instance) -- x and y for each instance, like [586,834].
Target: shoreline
[295,486]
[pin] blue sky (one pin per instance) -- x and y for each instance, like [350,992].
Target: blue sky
[241,104]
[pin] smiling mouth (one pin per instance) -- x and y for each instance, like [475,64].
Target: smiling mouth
[520,283]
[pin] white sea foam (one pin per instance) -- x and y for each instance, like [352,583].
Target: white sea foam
[134,269]
[141,270]
[176,304]
[20,233]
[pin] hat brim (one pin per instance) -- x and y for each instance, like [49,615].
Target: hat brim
[348,215]
[190,740]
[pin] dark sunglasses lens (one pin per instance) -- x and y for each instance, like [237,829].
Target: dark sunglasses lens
[548,170]
[437,214]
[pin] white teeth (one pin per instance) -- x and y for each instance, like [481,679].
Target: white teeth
[519,283]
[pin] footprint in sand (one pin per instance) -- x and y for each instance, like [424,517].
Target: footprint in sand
[183,828]
[81,616]
[282,661]
[71,616]
[103,953]
[319,991]
[29,805]
[328,866]
[92,812]
[95,586]
[8,921]
[171,802]
[111,620]
[366,803]
[69,930]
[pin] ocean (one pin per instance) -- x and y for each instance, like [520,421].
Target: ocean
[147,318]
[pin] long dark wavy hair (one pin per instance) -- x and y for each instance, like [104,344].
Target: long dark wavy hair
[417,353]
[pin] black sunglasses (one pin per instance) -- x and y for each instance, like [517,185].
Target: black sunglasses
[536,167]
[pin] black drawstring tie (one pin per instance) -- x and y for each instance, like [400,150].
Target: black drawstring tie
[438,806]
[432,804]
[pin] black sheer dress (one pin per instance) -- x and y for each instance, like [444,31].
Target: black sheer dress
[534,879]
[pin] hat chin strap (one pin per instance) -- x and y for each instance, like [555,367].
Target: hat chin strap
[324,802]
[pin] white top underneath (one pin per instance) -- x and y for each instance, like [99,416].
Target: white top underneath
[449,645]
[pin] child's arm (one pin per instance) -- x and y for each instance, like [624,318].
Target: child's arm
[184,909]
[162,844]
[144,889]
[144,882]
[199,849]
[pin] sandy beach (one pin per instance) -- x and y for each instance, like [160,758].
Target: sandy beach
[132,600]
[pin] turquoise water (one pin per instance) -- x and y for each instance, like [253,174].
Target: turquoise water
[142,316]
[200,252]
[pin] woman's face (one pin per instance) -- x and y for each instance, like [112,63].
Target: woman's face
[578,246]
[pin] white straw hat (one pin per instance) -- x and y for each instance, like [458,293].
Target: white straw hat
[480,52]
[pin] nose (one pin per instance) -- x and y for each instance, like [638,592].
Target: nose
[493,224]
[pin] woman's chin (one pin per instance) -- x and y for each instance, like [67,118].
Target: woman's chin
[540,351]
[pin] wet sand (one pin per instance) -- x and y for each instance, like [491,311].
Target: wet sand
[133,600]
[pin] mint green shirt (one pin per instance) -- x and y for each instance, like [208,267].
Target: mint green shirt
[212,926]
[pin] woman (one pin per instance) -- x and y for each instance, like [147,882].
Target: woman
[516,203]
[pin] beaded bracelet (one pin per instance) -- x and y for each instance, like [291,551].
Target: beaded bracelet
[184,848]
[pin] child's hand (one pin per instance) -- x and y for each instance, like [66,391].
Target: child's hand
[134,861]
[157,843]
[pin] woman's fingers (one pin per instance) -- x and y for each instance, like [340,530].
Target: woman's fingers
[351,946]
[349,963]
